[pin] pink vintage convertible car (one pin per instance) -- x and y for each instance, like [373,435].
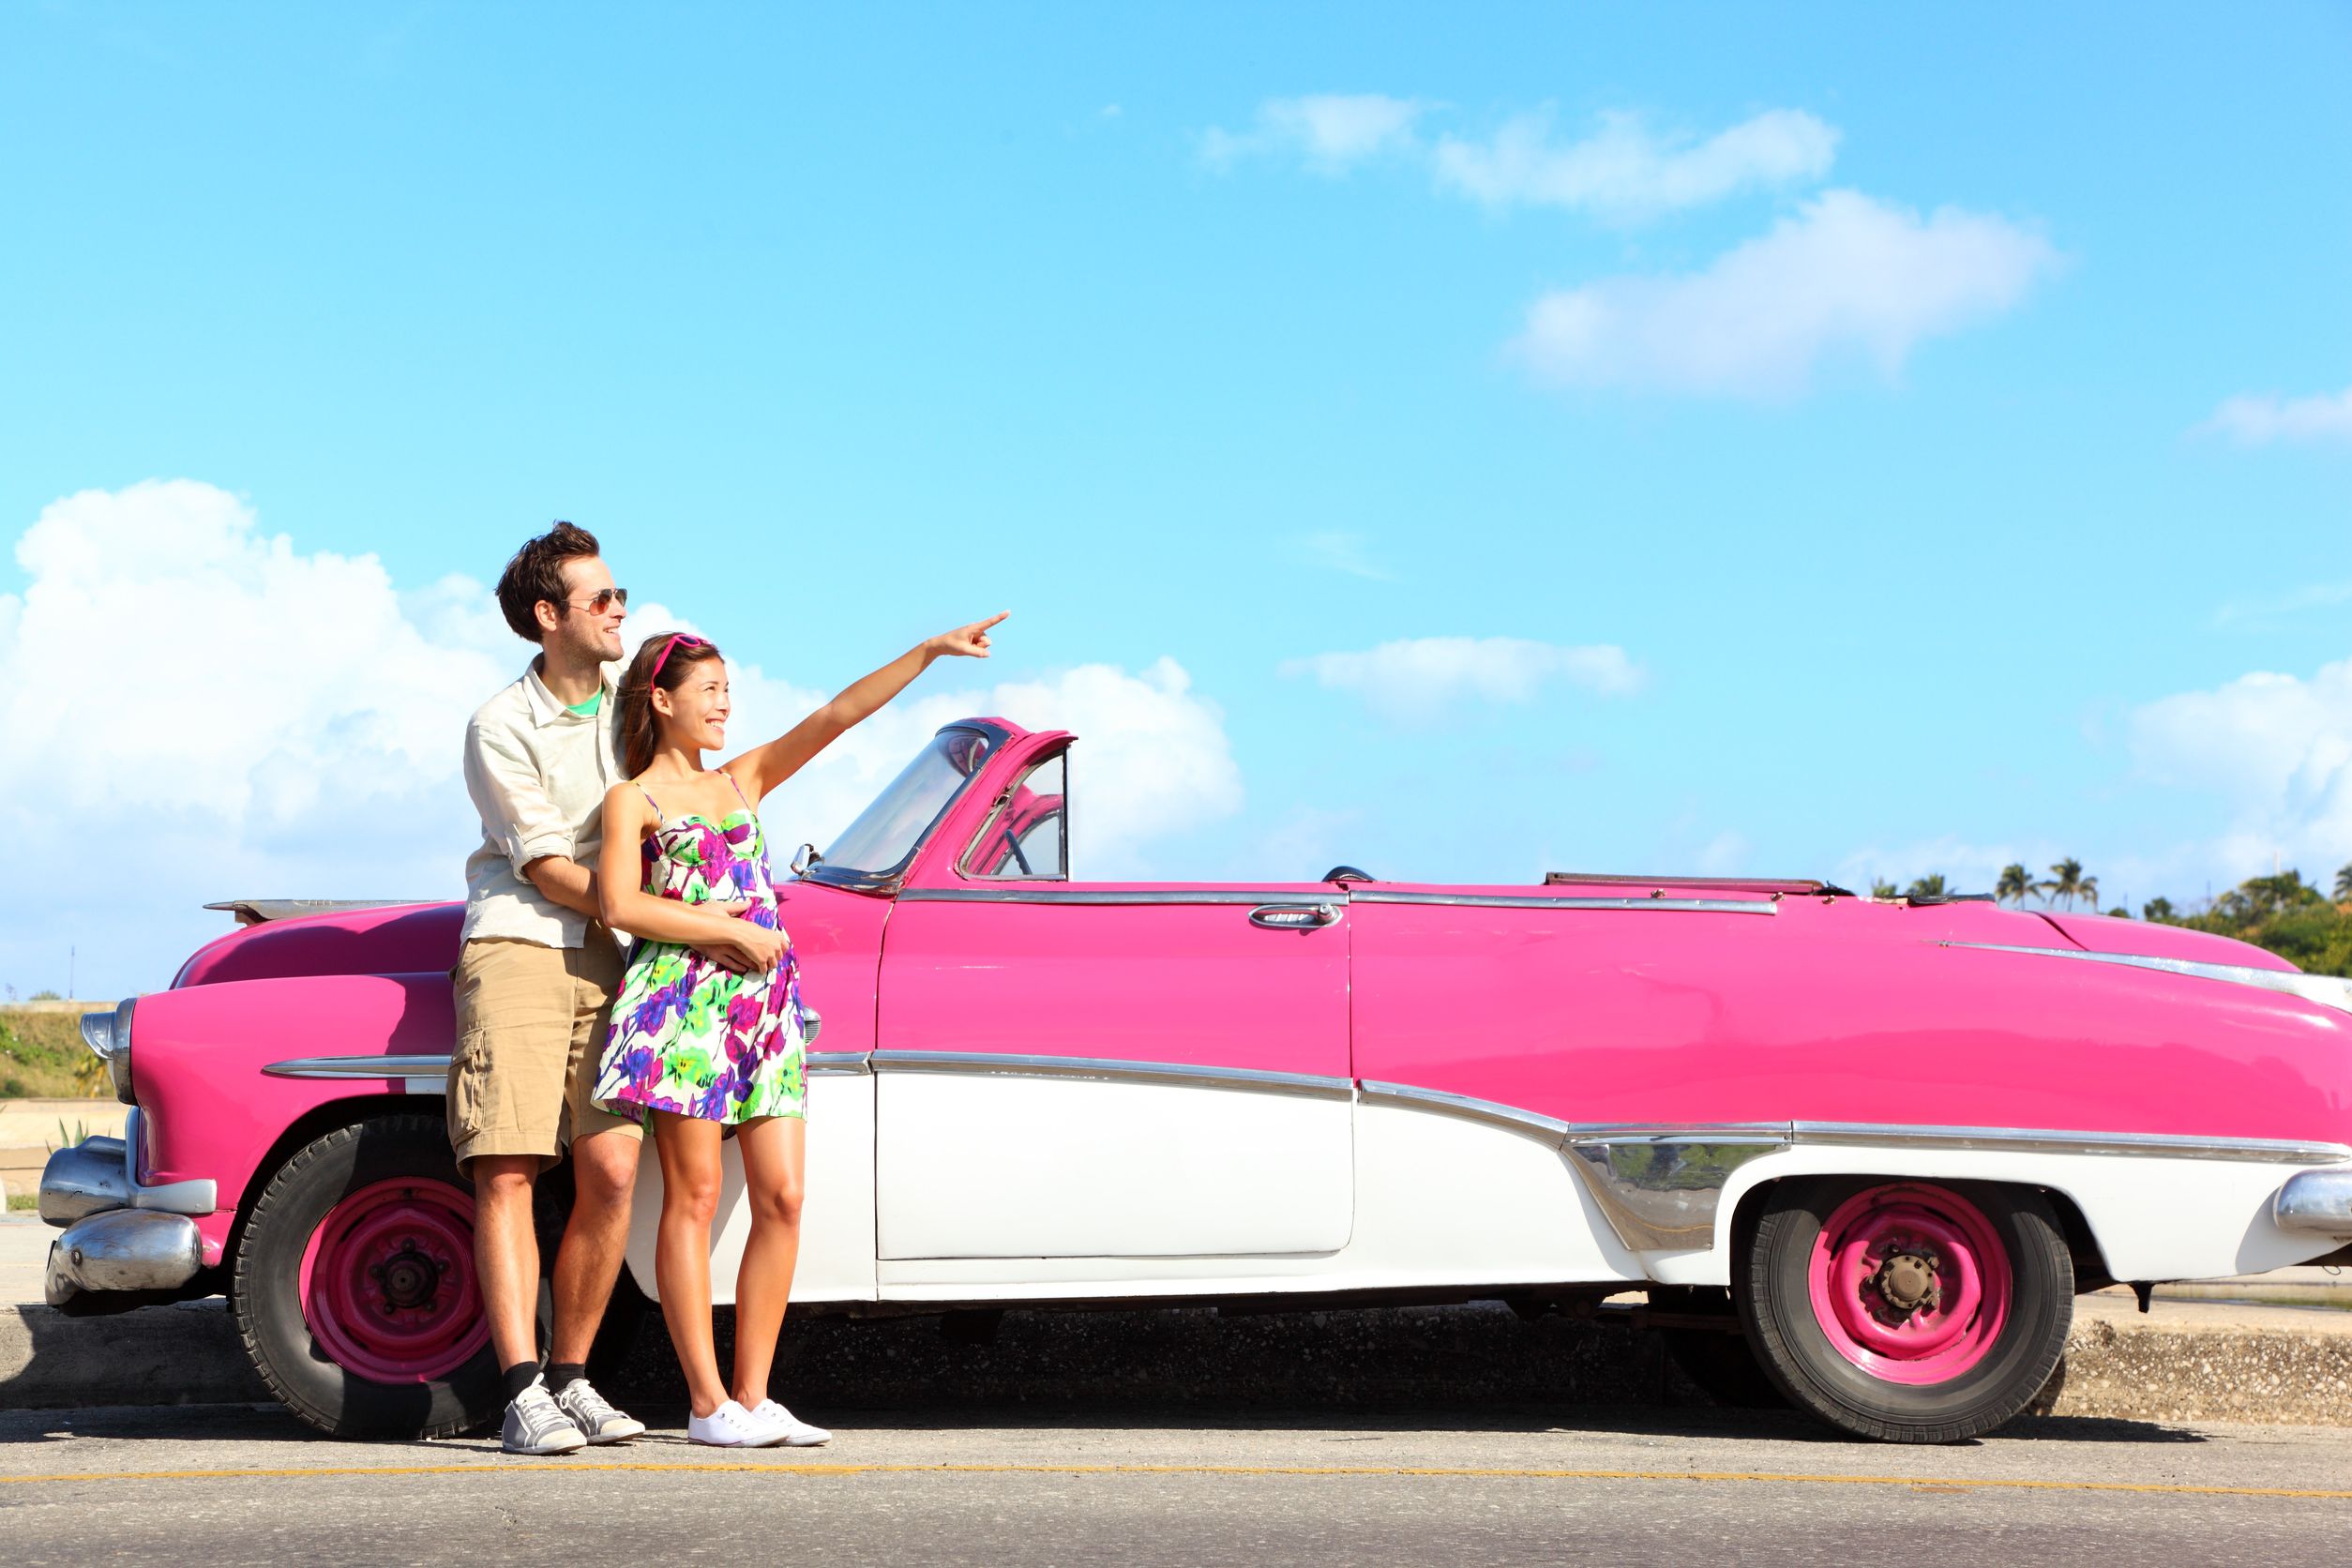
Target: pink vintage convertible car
[1868,1148]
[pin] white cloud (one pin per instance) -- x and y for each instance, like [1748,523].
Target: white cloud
[1420,678]
[1625,172]
[194,710]
[2259,421]
[1152,758]
[1329,130]
[1847,274]
[2277,751]
[2281,606]
[1341,551]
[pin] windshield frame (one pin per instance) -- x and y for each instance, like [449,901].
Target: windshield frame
[888,880]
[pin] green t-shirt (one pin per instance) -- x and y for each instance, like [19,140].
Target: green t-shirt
[588,709]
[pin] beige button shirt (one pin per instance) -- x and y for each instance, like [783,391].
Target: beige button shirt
[538,772]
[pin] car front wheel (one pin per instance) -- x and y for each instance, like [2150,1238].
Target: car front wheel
[1908,1311]
[356,1291]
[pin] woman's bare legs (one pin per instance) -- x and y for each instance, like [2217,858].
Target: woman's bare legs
[690,1175]
[773,1150]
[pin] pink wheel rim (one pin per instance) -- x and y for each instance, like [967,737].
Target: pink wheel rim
[387,1282]
[1910,1282]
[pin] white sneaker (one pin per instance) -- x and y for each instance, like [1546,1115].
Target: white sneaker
[798,1433]
[732,1426]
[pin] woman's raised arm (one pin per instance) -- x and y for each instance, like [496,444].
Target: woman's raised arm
[763,768]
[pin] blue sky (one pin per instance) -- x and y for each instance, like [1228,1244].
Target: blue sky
[1213,336]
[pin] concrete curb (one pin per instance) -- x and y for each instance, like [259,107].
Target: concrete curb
[184,1354]
[1193,1359]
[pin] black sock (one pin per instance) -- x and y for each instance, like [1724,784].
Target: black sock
[521,1375]
[561,1375]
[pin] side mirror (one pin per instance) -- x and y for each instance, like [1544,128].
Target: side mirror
[802,858]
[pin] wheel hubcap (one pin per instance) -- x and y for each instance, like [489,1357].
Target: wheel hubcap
[1911,1282]
[1906,1282]
[387,1282]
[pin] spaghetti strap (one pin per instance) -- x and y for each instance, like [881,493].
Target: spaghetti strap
[650,800]
[739,794]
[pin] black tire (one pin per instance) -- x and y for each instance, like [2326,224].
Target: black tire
[265,1297]
[1773,1297]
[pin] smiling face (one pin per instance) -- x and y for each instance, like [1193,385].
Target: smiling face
[693,714]
[588,623]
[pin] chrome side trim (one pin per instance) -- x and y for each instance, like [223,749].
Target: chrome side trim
[123,1249]
[2317,1200]
[1659,1187]
[1660,1191]
[1035,895]
[2030,1141]
[1743,884]
[1361,895]
[1098,1070]
[839,1064]
[359,1068]
[1543,1129]
[2326,989]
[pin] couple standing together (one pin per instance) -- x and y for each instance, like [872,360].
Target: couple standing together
[599,816]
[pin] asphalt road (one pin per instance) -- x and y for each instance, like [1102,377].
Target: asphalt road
[234,1485]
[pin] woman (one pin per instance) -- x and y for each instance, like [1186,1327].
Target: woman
[696,1046]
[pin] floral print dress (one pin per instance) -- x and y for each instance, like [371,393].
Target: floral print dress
[690,1036]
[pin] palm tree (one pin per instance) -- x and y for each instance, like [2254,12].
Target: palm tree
[2066,881]
[2015,882]
[1929,887]
[1880,889]
[2158,910]
[2343,885]
[2088,890]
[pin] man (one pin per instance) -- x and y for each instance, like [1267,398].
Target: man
[535,984]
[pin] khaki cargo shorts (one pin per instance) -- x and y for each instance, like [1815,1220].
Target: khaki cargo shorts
[531,1033]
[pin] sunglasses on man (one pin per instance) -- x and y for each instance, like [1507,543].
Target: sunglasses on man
[601,601]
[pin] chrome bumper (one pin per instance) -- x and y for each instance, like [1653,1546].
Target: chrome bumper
[123,1249]
[2319,1201]
[120,1234]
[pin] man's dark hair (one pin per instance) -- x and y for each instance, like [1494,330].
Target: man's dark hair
[537,573]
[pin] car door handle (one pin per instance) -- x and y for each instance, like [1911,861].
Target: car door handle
[1293,918]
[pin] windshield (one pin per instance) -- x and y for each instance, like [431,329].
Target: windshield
[884,836]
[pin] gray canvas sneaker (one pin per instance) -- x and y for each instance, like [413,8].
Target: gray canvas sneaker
[588,1410]
[535,1425]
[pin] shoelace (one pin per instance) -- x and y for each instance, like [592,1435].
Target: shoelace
[541,1413]
[736,1418]
[588,1402]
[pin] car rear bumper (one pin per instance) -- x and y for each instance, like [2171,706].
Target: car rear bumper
[2316,1201]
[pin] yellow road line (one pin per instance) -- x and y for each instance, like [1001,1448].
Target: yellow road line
[499,1466]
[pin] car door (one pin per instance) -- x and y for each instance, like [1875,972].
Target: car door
[1070,1069]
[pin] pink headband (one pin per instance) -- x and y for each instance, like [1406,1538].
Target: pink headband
[664,658]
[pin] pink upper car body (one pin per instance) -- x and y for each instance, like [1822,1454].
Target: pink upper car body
[1885,1140]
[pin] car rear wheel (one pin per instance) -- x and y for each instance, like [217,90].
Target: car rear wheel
[355,1286]
[1908,1311]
